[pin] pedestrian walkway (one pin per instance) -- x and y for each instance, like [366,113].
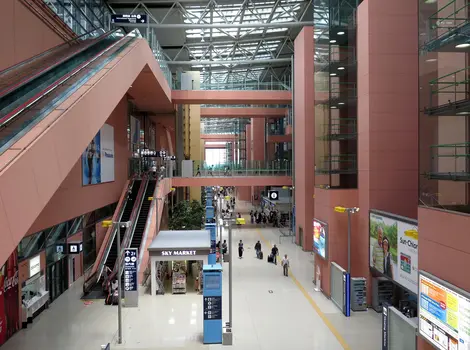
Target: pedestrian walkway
[270,311]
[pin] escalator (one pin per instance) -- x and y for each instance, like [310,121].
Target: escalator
[139,228]
[24,107]
[93,287]
[110,261]
[18,75]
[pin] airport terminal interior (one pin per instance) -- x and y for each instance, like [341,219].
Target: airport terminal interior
[253,174]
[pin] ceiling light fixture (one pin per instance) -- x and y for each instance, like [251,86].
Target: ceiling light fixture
[462,46]
[332,41]
[341,103]
[431,60]
[333,107]
[332,74]
[340,33]
[463,113]
[341,68]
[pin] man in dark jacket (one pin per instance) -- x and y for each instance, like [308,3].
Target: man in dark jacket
[274,253]
[258,248]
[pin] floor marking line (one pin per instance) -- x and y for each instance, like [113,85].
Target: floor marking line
[314,305]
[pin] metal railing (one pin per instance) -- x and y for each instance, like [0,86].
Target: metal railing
[446,19]
[450,161]
[337,164]
[270,86]
[160,56]
[452,87]
[245,168]
[341,128]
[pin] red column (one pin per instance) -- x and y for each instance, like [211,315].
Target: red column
[388,127]
[258,138]
[248,143]
[304,135]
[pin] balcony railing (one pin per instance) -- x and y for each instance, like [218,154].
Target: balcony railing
[337,164]
[232,86]
[448,24]
[450,162]
[451,92]
[339,129]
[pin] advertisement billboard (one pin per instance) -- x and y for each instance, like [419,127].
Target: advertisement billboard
[9,307]
[444,313]
[393,250]
[320,231]
[98,158]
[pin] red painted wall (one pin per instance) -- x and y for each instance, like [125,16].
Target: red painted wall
[23,34]
[72,199]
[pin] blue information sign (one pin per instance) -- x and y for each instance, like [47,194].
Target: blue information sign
[130,270]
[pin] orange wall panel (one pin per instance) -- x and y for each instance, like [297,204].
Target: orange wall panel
[23,34]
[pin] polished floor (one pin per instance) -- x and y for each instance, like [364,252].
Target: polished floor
[270,312]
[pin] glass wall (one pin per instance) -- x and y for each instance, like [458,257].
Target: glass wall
[444,127]
[335,93]
[82,16]
[48,239]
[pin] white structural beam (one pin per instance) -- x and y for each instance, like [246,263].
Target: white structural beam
[228,63]
[215,25]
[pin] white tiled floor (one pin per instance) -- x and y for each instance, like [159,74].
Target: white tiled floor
[283,319]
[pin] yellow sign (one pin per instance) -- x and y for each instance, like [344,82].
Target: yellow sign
[150,198]
[340,209]
[227,198]
[172,189]
[107,223]
[240,221]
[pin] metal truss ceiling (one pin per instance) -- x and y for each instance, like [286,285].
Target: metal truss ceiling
[231,44]
[223,125]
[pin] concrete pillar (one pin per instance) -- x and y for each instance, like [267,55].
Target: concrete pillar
[388,114]
[248,144]
[258,139]
[304,90]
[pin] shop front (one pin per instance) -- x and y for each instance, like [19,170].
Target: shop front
[34,296]
[177,259]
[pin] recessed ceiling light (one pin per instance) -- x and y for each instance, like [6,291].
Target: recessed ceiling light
[340,33]
[341,68]
[333,107]
[462,113]
[341,103]
[431,60]
[461,46]
[332,41]
[332,74]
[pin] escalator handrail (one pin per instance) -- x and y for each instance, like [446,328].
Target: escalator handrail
[7,118]
[116,218]
[126,240]
[31,77]
[39,55]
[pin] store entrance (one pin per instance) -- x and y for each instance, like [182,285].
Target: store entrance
[179,277]
[57,278]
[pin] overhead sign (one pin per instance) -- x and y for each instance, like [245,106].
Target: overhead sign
[152,153]
[179,252]
[130,270]
[75,248]
[273,195]
[128,19]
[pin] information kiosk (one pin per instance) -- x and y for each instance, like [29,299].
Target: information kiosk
[212,294]
[211,227]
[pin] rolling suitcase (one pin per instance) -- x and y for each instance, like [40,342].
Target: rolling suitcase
[270,259]
[260,255]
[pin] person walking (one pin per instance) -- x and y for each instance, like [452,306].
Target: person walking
[285,265]
[274,253]
[258,248]
[198,171]
[240,249]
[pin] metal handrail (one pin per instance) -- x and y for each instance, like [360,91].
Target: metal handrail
[22,63]
[112,235]
[31,77]
[35,99]
[133,219]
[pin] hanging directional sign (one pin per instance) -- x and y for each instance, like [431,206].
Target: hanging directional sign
[152,153]
[128,18]
[273,195]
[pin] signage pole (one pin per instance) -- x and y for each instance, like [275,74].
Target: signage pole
[119,283]
[349,241]
[230,273]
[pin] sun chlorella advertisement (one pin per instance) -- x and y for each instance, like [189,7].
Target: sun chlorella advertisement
[319,238]
[444,314]
[394,248]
